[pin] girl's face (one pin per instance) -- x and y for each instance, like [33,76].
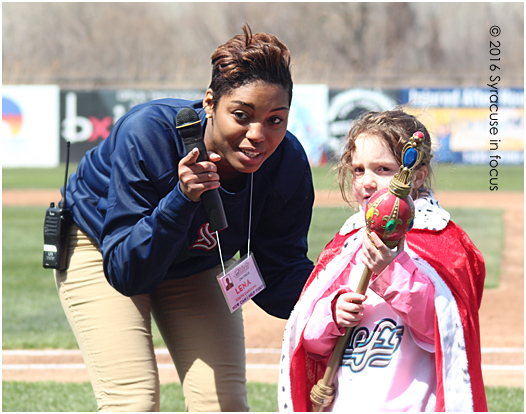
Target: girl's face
[373,166]
[246,127]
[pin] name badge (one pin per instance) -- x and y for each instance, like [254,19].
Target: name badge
[241,282]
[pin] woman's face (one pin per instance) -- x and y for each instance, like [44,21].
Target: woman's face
[247,126]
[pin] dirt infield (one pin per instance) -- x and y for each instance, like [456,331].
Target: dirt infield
[501,313]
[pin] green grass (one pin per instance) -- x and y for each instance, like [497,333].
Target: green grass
[447,177]
[47,397]
[35,177]
[262,397]
[505,400]
[325,178]
[450,177]
[75,397]
[453,177]
[489,237]
[326,222]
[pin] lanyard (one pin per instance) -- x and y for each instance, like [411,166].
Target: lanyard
[249,225]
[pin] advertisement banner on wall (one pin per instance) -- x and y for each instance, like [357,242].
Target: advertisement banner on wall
[30,125]
[468,123]
[87,117]
[347,105]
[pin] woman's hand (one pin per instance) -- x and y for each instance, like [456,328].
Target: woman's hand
[348,310]
[197,177]
[376,255]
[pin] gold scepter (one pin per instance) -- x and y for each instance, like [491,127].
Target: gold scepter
[390,214]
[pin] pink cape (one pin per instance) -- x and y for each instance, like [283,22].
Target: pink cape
[457,270]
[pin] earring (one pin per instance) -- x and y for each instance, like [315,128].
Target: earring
[209,115]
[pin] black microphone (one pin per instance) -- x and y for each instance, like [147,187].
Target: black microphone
[188,125]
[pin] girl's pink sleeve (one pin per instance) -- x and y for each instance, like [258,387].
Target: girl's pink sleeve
[411,295]
[321,332]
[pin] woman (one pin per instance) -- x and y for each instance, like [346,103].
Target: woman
[139,224]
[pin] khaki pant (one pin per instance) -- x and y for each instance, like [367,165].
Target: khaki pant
[113,331]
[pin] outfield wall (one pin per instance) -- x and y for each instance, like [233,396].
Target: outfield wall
[468,125]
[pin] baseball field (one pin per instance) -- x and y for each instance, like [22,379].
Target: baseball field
[43,370]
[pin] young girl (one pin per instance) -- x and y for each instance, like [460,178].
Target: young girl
[415,344]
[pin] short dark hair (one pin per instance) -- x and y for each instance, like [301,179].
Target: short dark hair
[249,58]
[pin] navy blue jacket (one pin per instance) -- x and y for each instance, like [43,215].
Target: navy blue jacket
[125,195]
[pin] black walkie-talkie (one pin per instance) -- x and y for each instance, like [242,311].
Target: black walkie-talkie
[56,227]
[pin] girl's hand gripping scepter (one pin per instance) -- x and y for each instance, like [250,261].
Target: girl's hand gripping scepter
[389,213]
